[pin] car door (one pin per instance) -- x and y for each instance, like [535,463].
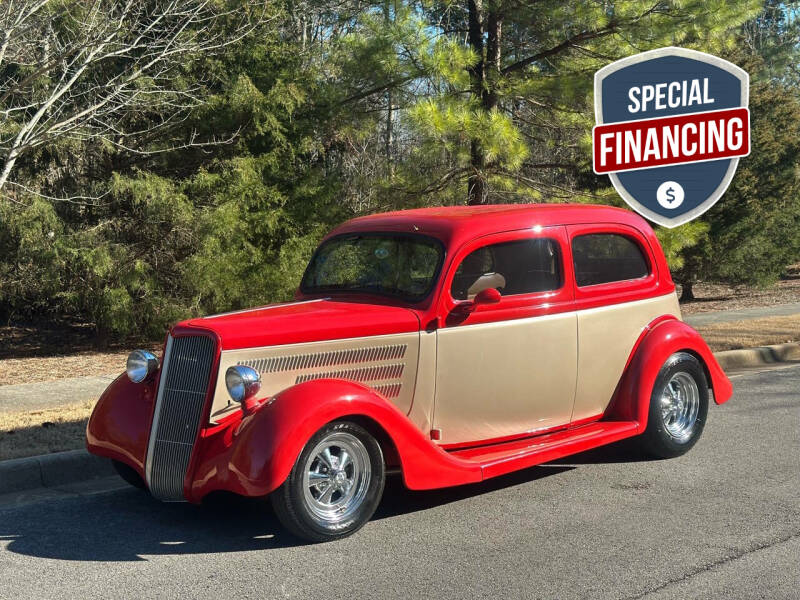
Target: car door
[506,368]
[617,294]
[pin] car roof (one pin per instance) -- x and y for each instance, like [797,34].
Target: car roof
[457,224]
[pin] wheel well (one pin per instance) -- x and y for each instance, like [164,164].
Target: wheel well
[617,406]
[390,454]
[703,364]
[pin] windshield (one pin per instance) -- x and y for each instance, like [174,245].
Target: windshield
[399,265]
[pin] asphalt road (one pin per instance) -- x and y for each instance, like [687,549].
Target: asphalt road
[720,522]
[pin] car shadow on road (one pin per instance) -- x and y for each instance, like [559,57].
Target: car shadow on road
[625,451]
[129,525]
[399,500]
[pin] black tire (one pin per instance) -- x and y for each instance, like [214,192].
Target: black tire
[128,474]
[299,504]
[664,438]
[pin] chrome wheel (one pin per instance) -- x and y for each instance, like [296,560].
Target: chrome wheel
[680,403]
[336,478]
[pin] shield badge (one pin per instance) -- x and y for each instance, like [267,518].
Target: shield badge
[671,126]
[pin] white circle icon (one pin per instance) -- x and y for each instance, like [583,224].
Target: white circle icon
[670,194]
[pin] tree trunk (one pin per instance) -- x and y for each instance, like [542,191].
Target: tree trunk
[389,133]
[687,294]
[389,141]
[482,85]
[476,184]
[477,189]
[10,160]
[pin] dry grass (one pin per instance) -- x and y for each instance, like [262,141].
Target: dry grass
[755,332]
[44,431]
[49,351]
[51,368]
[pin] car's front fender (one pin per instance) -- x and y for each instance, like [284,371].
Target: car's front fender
[663,339]
[260,452]
[120,423]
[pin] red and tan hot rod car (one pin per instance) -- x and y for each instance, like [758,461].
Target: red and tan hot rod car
[451,344]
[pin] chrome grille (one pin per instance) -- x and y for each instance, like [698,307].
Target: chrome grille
[182,392]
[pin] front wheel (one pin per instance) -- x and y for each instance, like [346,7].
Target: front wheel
[128,474]
[678,407]
[335,485]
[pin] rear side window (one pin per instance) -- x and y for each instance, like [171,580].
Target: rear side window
[607,257]
[519,267]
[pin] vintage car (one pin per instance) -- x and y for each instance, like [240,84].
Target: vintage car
[450,345]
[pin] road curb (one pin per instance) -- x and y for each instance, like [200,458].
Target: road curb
[757,357]
[51,470]
[62,468]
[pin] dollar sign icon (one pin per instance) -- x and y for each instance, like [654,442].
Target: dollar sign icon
[670,194]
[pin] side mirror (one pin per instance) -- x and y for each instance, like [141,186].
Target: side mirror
[487,296]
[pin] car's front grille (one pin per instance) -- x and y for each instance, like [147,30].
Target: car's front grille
[182,392]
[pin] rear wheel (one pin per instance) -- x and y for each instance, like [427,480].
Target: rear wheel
[335,485]
[678,407]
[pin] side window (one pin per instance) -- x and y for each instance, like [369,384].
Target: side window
[607,257]
[519,267]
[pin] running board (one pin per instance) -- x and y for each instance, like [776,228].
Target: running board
[499,459]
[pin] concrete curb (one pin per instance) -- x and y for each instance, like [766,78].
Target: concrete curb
[51,470]
[63,468]
[757,357]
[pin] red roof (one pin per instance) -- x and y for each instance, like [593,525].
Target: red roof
[455,224]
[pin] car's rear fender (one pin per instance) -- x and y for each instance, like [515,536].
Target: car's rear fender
[260,452]
[661,339]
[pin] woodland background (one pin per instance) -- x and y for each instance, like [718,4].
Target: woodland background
[175,158]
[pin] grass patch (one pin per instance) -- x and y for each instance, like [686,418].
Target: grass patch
[751,333]
[44,431]
[51,368]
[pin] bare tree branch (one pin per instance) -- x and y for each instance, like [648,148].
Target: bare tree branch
[81,69]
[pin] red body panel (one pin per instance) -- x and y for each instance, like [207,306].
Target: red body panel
[257,458]
[659,342]
[299,322]
[252,454]
[119,427]
[456,225]
[504,458]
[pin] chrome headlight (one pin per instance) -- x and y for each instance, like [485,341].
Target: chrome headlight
[242,382]
[141,364]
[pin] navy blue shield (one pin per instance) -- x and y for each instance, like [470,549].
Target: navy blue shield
[670,195]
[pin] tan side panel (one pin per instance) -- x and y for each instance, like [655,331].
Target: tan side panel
[606,336]
[505,378]
[422,408]
[387,363]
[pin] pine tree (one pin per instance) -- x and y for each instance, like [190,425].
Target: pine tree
[754,229]
[525,112]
